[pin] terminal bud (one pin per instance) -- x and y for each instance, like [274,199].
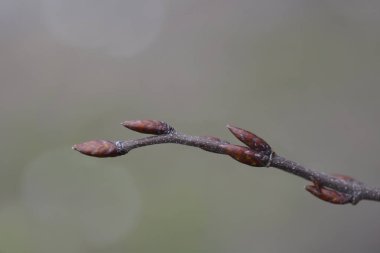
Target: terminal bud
[98,148]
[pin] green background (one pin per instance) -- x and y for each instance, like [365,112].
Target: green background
[304,75]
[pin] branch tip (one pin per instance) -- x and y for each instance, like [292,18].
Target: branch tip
[98,148]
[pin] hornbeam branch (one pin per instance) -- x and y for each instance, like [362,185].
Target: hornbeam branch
[336,189]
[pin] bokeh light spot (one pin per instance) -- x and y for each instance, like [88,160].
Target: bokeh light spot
[120,28]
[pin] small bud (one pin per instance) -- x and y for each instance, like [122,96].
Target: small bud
[148,126]
[328,195]
[245,155]
[98,148]
[251,140]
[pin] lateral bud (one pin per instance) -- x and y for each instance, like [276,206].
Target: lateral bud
[246,155]
[99,148]
[250,139]
[155,127]
[329,195]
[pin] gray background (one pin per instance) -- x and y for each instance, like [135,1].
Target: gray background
[302,74]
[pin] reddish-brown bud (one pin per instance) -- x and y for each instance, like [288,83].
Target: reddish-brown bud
[98,148]
[245,155]
[328,195]
[148,126]
[250,139]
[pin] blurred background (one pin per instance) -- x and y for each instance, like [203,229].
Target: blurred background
[302,74]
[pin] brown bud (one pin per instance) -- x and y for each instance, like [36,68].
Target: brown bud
[98,148]
[328,195]
[148,126]
[251,140]
[245,155]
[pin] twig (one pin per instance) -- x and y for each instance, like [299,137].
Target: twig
[336,189]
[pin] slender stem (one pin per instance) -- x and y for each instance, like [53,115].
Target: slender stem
[337,189]
[356,189]
[205,143]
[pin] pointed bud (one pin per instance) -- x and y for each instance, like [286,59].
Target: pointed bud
[148,126]
[245,155]
[98,148]
[328,195]
[250,139]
